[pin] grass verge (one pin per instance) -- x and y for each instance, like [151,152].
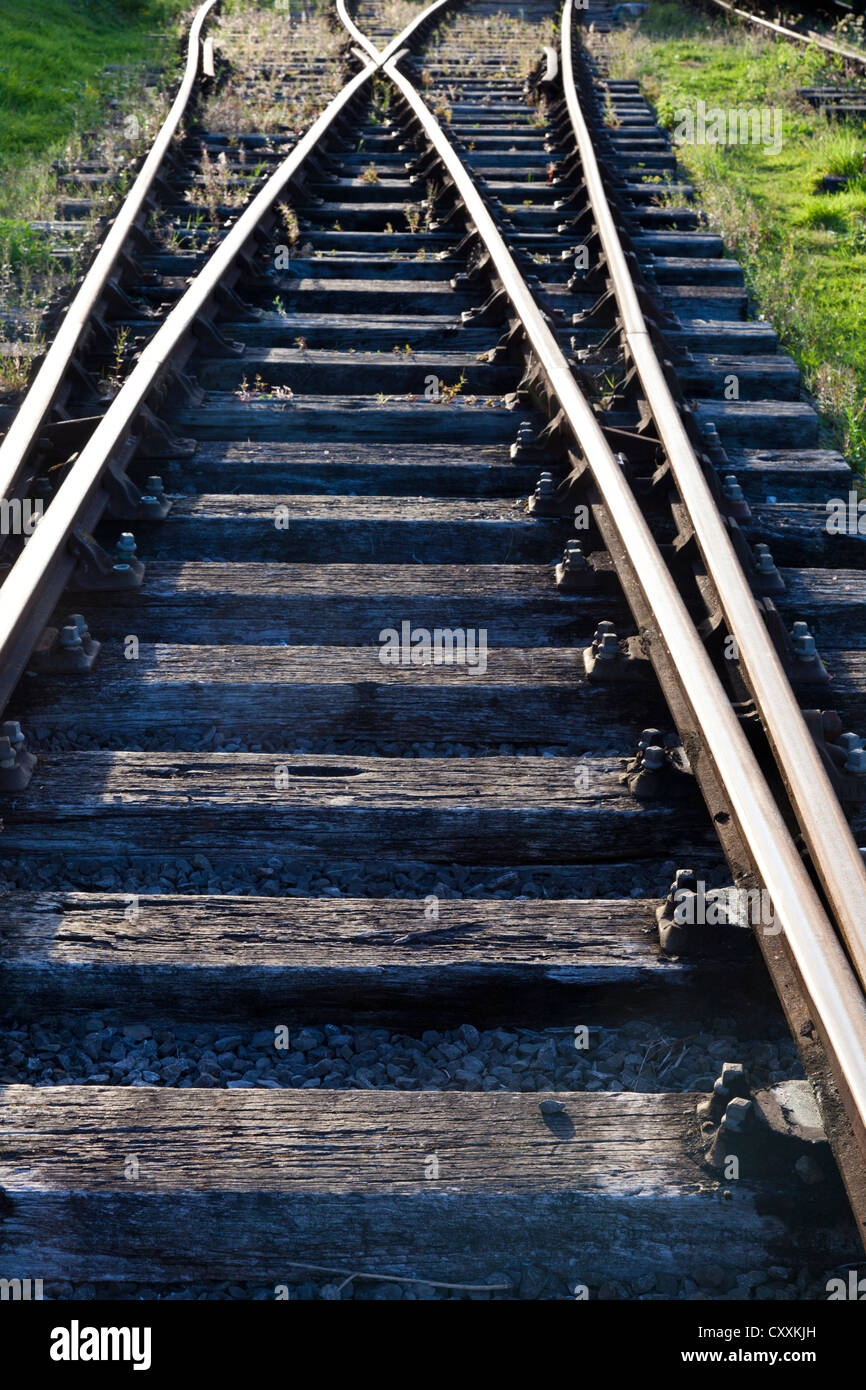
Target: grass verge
[803,250]
[72,88]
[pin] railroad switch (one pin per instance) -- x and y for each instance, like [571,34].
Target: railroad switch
[660,769]
[609,659]
[694,921]
[16,764]
[65,650]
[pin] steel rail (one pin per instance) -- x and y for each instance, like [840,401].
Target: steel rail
[831,844]
[809,37]
[393,47]
[360,38]
[25,582]
[831,983]
[31,415]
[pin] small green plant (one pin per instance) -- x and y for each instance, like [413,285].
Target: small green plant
[260,391]
[448,393]
[289,220]
[855,436]
[21,247]
[14,372]
[844,155]
[113,376]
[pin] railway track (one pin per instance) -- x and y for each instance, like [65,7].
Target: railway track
[337,948]
[854,58]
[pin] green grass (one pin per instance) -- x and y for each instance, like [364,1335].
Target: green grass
[55,87]
[53,55]
[803,250]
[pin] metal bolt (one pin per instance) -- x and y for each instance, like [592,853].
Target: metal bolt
[7,756]
[11,729]
[544,487]
[712,434]
[849,742]
[608,648]
[70,638]
[81,623]
[804,643]
[574,558]
[856,761]
[125,547]
[806,649]
[732,1072]
[654,757]
[737,1114]
[651,738]
[154,492]
[764,560]
[731,488]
